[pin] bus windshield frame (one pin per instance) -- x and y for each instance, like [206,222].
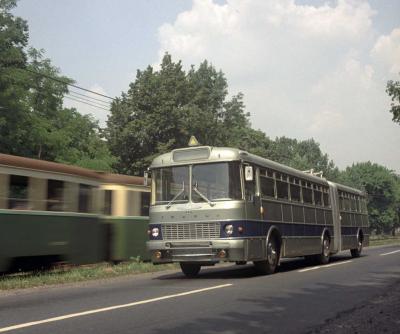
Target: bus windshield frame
[197,183]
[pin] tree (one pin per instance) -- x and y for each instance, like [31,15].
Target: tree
[163,108]
[302,155]
[382,188]
[33,121]
[13,40]
[393,89]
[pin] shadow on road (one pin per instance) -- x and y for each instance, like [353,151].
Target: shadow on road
[227,271]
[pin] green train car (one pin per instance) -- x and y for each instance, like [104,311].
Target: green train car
[52,212]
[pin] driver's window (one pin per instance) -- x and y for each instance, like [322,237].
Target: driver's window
[250,186]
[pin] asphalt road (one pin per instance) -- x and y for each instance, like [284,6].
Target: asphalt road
[228,299]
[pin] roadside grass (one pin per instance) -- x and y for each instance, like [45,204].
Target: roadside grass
[379,240]
[71,274]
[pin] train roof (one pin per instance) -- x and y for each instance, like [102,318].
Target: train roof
[13,161]
[121,179]
[207,154]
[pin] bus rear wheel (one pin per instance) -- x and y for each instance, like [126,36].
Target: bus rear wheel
[268,266]
[190,269]
[356,252]
[323,258]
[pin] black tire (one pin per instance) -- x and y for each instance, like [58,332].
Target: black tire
[190,269]
[268,266]
[356,252]
[323,258]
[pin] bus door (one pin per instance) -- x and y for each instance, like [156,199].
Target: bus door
[334,198]
[252,194]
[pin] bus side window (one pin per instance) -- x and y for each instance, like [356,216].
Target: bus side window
[250,186]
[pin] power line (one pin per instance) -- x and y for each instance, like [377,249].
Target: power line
[67,83]
[87,96]
[101,104]
[89,104]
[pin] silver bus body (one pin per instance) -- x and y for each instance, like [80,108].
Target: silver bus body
[184,230]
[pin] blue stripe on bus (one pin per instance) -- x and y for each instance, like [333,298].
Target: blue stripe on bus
[261,228]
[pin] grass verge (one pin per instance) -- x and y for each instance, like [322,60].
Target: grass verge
[70,274]
[379,240]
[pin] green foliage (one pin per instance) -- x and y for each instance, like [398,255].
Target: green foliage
[163,108]
[302,155]
[393,89]
[33,121]
[383,189]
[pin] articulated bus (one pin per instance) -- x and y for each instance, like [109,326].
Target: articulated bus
[211,204]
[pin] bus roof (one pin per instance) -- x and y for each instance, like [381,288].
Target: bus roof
[208,154]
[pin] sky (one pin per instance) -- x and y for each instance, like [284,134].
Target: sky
[307,68]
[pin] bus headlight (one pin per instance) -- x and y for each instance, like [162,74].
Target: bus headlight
[155,232]
[228,229]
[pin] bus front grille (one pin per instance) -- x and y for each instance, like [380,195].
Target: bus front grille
[190,231]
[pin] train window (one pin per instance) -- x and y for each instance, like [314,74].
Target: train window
[295,192]
[318,197]
[108,202]
[145,203]
[84,198]
[55,195]
[18,193]
[282,190]
[267,186]
[307,195]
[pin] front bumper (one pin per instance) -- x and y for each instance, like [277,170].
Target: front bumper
[197,251]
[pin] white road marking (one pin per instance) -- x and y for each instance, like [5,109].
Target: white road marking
[337,263]
[396,251]
[325,266]
[110,308]
[308,269]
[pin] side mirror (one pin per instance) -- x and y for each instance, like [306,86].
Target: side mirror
[248,173]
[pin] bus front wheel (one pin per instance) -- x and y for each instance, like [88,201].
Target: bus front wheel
[269,265]
[190,269]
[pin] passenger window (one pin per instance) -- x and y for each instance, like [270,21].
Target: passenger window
[282,189]
[326,197]
[267,186]
[295,192]
[84,198]
[108,202]
[307,193]
[55,195]
[18,193]
[318,196]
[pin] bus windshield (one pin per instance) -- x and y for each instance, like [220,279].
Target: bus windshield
[172,185]
[216,182]
[210,182]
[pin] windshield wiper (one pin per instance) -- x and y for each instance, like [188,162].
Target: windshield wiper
[201,195]
[176,196]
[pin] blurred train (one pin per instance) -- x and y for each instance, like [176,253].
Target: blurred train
[56,213]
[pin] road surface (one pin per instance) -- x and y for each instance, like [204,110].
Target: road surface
[299,298]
